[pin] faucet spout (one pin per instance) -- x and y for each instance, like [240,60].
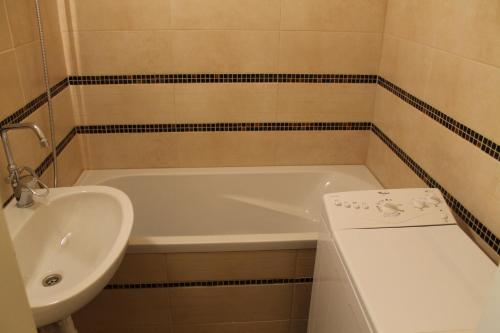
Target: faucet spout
[22,192]
[34,127]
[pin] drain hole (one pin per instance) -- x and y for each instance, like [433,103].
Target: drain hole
[51,280]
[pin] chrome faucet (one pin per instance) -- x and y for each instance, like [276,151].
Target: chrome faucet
[23,192]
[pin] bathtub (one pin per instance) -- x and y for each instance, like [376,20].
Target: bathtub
[228,209]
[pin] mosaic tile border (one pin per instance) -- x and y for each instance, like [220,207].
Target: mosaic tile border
[224,127]
[34,105]
[480,229]
[221,78]
[210,283]
[59,149]
[478,140]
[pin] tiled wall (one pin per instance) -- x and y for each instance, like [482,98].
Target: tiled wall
[22,89]
[446,54]
[257,291]
[106,37]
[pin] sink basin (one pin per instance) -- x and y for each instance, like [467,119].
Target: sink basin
[68,246]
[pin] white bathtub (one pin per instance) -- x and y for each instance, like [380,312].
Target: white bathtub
[228,209]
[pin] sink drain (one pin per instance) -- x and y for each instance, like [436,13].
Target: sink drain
[51,280]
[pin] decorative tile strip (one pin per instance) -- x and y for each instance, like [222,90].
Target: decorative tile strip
[210,283]
[458,208]
[223,127]
[483,143]
[33,105]
[221,78]
[60,147]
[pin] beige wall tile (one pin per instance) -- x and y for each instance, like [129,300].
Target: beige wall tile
[226,149]
[226,14]
[465,28]
[389,170]
[325,102]
[316,148]
[467,91]
[63,114]
[301,300]
[121,151]
[123,15]
[298,326]
[22,20]
[70,164]
[231,304]
[55,60]
[11,94]
[463,169]
[126,104]
[280,326]
[231,265]
[30,70]
[124,307]
[329,52]
[141,268]
[232,102]
[334,15]
[122,52]
[305,263]
[5,39]
[197,51]
[406,64]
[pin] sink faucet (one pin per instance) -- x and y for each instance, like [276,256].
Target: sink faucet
[23,192]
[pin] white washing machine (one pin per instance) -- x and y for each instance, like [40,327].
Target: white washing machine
[394,261]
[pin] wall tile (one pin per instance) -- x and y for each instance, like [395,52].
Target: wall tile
[467,91]
[334,15]
[22,21]
[121,151]
[123,15]
[5,39]
[317,148]
[196,51]
[233,304]
[11,94]
[448,159]
[232,102]
[141,268]
[305,262]
[325,102]
[231,265]
[30,70]
[122,52]
[126,104]
[226,14]
[298,326]
[301,300]
[226,149]
[124,307]
[389,170]
[251,327]
[329,52]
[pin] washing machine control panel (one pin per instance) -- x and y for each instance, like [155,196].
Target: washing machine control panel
[385,208]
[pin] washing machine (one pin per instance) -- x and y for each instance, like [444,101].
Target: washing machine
[395,261]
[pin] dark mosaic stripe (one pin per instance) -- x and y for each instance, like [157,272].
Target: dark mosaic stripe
[60,147]
[458,208]
[222,127]
[210,283]
[478,140]
[221,78]
[33,105]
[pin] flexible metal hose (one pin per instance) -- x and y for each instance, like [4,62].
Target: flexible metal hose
[47,88]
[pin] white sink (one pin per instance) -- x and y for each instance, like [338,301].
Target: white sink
[76,233]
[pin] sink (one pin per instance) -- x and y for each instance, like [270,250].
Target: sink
[68,246]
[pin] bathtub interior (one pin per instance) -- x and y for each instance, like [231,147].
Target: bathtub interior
[230,201]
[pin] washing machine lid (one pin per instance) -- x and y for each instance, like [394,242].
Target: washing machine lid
[387,208]
[419,279]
